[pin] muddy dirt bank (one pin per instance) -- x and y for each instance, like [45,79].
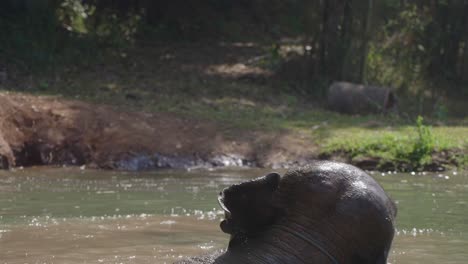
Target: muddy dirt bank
[40,130]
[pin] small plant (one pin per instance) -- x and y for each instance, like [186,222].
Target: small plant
[43,86]
[424,144]
[273,57]
[290,100]
[441,112]
[72,15]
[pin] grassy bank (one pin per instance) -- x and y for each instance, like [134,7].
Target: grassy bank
[221,83]
[373,141]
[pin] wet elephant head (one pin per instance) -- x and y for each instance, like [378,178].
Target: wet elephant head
[326,212]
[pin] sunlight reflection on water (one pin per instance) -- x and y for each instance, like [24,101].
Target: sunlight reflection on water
[76,216]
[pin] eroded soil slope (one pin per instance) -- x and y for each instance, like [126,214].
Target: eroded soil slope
[54,131]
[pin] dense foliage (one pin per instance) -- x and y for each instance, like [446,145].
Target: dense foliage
[416,46]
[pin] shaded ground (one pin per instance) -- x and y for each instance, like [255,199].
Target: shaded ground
[158,74]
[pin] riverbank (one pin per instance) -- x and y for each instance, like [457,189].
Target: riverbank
[42,130]
[207,104]
[50,130]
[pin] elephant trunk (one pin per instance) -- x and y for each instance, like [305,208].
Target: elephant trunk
[283,243]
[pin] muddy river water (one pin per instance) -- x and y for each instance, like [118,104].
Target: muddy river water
[68,215]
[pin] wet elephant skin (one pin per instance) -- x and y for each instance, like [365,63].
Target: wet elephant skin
[326,212]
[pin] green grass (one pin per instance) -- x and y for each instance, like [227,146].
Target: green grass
[399,146]
[397,143]
[159,85]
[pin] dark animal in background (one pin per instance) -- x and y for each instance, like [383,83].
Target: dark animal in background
[326,212]
[350,98]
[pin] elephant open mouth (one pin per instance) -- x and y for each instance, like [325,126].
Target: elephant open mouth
[226,224]
[223,205]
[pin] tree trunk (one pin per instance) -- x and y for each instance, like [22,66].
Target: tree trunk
[346,26]
[365,45]
[324,38]
[464,59]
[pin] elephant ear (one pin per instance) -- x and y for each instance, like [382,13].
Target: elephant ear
[249,206]
[269,182]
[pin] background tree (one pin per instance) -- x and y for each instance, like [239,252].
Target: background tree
[413,45]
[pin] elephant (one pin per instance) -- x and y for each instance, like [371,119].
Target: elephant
[352,98]
[324,212]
